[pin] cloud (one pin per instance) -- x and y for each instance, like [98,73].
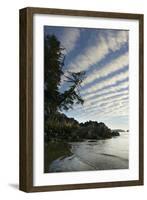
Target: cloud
[93,54]
[69,38]
[107,96]
[90,56]
[110,111]
[115,65]
[97,52]
[104,97]
[105,102]
[105,83]
[118,108]
[113,88]
[116,39]
[106,89]
[101,104]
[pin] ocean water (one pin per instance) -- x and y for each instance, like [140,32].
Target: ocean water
[95,155]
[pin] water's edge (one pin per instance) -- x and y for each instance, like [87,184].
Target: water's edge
[89,155]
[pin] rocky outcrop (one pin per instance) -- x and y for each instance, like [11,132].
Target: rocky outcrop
[60,127]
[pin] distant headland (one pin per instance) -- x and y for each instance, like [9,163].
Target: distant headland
[60,127]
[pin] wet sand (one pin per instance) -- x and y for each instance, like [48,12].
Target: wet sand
[95,155]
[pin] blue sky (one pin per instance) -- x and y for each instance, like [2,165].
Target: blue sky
[103,55]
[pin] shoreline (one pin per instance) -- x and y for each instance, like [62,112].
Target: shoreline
[87,155]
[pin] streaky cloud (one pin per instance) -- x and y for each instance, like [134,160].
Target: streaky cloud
[100,104]
[108,82]
[97,52]
[114,65]
[110,89]
[69,38]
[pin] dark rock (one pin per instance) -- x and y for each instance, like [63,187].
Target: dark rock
[61,127]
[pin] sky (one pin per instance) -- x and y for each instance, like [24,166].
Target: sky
[104,56]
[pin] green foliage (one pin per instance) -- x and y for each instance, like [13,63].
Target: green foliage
[53,70]
[53,64]
[71,96]
[60,127]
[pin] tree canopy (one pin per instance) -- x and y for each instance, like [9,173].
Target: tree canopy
[54,58]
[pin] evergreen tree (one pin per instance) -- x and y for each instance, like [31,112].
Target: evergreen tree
[53,63]
[53,70]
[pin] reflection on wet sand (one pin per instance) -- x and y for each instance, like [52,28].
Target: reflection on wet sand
[95,155]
